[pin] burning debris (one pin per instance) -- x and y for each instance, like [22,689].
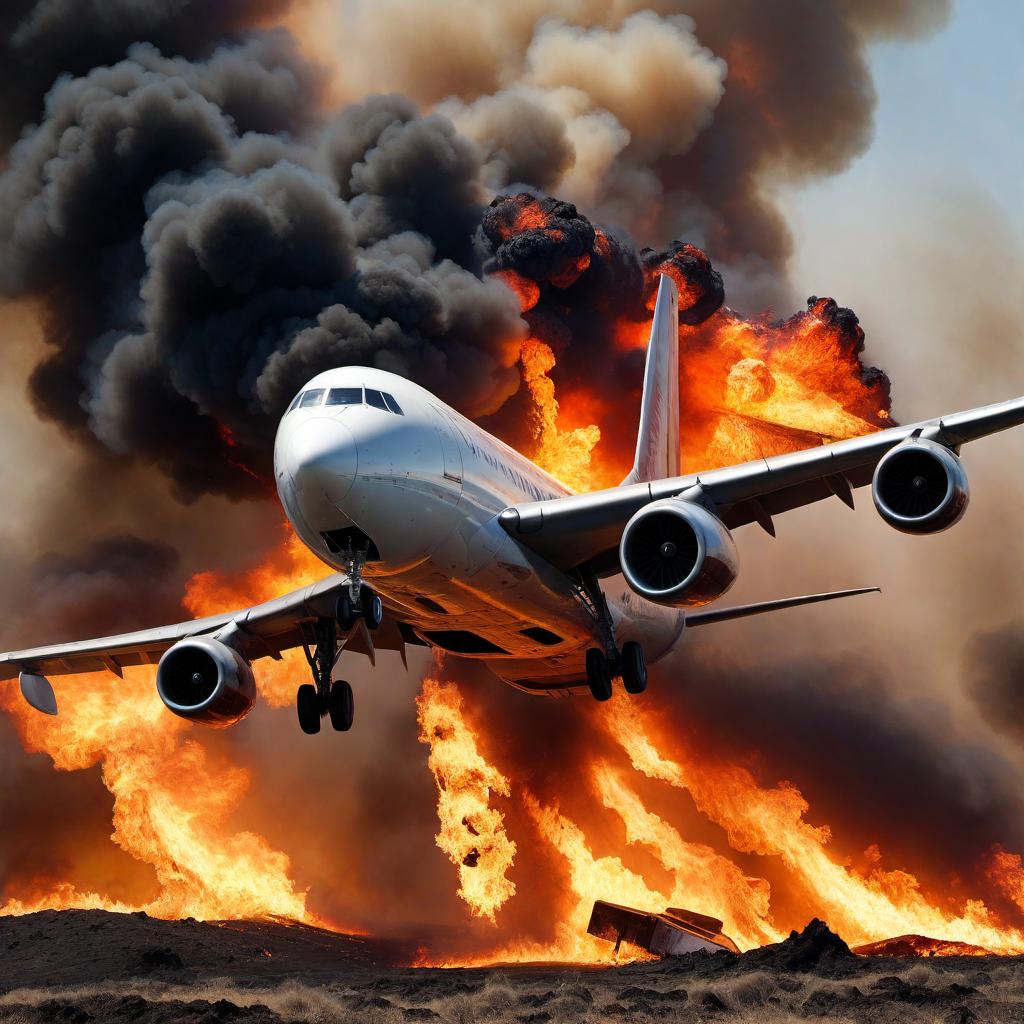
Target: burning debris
[919,945]
[671,933]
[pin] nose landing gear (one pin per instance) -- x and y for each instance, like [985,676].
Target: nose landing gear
[357,599]
[324,698]
[367,604]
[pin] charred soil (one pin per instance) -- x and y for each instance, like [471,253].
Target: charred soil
[91,966]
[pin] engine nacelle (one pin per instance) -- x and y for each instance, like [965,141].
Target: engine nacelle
[204,680]
[677,553]
[920,487]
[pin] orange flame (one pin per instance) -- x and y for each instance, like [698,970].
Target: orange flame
[472,832]
[770,822]
[565,454]
[171,805]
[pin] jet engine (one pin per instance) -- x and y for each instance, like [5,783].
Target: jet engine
[920,487]
[677,553]
[204,680]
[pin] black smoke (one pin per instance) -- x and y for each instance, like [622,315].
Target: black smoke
[994,670]
[199,261]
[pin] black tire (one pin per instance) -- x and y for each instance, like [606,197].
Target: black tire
[308,705]
[634,667]
[345,611]
[599,675]
[373,609]
[341,706]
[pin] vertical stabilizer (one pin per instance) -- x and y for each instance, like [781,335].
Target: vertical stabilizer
[657,444]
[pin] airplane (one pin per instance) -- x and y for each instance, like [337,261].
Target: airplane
[440,535]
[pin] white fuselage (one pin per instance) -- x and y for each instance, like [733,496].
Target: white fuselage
[424,486]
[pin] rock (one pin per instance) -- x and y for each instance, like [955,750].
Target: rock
[821,1002]
[56,1010]
[537,998]
[961,990]
[962,1015]
[361,1002]
[903,991]
[817,946]
[157,958]
[652,995]
[711,1003]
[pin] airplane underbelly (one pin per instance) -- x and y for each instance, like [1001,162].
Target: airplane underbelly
[482,596]
[487,598]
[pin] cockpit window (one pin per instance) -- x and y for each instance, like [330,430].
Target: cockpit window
[345,396]
[311,398]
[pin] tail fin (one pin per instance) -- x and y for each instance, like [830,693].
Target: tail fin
[657,444]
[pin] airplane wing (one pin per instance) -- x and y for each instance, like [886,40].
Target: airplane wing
[264,630]
[585,529]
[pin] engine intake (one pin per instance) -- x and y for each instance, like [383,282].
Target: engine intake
[920,487]
[206,681]
[677,553]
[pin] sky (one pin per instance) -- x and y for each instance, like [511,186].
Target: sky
[944,170]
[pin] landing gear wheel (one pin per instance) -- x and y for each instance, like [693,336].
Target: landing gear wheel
[634,667]
[341,706]
[345,611]
[599,675]
[308,706]
[373,609]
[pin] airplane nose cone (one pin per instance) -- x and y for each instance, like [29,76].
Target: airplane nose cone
[322,459]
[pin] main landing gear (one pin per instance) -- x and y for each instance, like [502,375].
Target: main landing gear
[629,663]
[325,697]
[603,666]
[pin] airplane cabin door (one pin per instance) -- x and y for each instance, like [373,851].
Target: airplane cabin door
[449,448]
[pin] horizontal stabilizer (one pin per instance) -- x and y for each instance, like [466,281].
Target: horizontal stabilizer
[741,611]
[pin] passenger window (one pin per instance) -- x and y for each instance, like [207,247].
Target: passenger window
[376,399]
[392,404]
[345,396]
[311,398]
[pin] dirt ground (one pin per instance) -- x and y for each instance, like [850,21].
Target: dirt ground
[90,966]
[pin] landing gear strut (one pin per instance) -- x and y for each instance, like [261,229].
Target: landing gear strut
[323,697]
[357,598]
[604,665]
